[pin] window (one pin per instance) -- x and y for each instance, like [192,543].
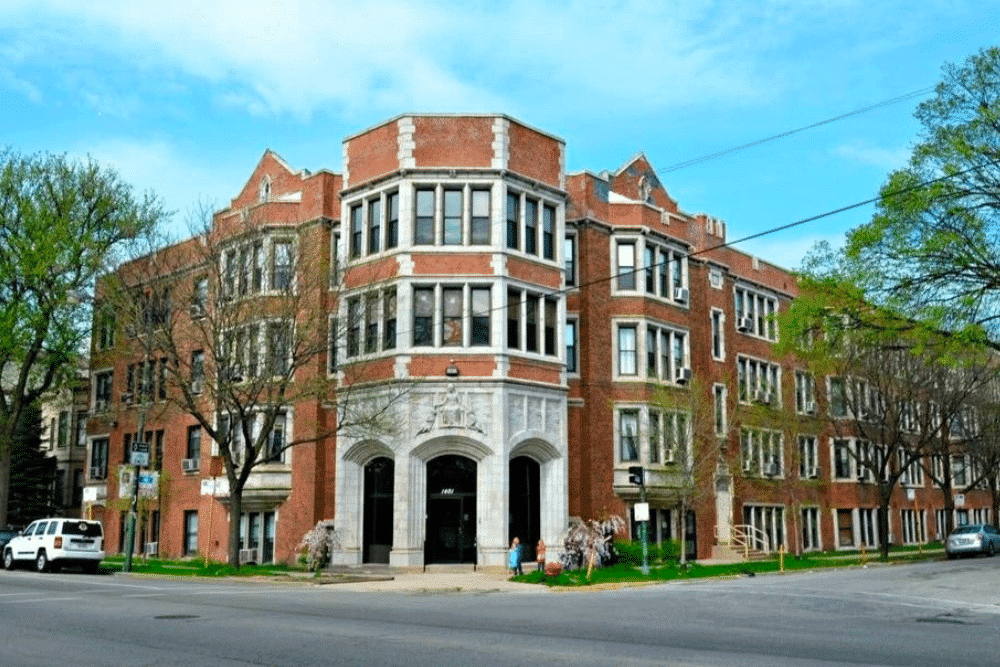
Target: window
[190,532]
[281,265]
[719,403]
[845,528]
[374,225]
[838,397]
[715,278]
[805,393]
[759,381]
[914,526]
[197,371]
[451,224]
[808,457]
[99,458]
[913,474]
[569,260]
[276,440]
[626,266]
[193,442]
[548,231]
[356,231]
[333,342]
[279,347]
[756,313]
[441,315]
[81,429]
[868,526]
[423,229]
[810,529]
[843,457]
[63,428]
[959,471]
[103,382]
[106,331]
[628,434]
[718,346]
[513,221]
[627,350]
[389,319]
[371,322]
[481,308]
[676,437]
[531,226]
[769,522]
[531,322]
[572,363]
[480,223]
[353,326]
[760,451]
[199,298]
[392,220]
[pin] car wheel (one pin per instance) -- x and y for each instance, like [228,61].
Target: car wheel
[91,568]
[8,560]
[42,562]
[990,549]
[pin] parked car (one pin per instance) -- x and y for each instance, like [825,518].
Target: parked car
[977,538]
[52,543]
[6,534]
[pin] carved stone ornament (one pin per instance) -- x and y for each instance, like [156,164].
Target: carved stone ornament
[451,411]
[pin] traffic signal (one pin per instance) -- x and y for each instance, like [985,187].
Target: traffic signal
[635,475]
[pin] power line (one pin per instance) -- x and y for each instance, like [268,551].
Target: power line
[894,100]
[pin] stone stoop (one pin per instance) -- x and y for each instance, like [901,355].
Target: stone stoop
[724,553]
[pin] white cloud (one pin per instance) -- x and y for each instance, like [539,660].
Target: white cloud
[884,159]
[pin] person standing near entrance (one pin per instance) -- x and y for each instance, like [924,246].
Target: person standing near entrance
[540,555]
[515,557]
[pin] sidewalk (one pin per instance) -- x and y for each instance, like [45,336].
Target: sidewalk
[448,579]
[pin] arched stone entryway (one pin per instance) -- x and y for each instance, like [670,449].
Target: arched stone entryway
[379,477]
[451,510]
[524,520]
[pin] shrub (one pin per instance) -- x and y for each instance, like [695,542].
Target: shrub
[318,544]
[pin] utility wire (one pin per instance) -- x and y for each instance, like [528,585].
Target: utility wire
[894,100]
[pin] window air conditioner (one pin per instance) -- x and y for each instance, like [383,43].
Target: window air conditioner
[152,548]
[190,465]
[248,556]
[681,294]
[812,473]
[772,469]
[96,472]
[744,324]
[197,386]
[810,407]
[197,310]
[100,405]
[126,397]
[683,376]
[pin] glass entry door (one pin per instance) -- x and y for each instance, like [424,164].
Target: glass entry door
[451,510]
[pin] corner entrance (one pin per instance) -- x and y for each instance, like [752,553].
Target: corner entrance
[451,510]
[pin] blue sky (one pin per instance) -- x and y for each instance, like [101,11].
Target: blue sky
[183,97]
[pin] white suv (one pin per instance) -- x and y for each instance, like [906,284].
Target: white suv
[52,543]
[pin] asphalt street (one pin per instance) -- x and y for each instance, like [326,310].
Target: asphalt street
[935,613]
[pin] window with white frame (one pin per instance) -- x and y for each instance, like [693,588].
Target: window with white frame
[663,270]
[247,263]
[914,526]
[190,540]
[569,259]
[371,324]
[572,349]
[868,526]
[808,457]
[960,465]
[810,529]
[650,436]
[531,225]
[913,473]
[236,432]
[445,316]
[981,515]
[756,313]
[844,525]
[532,322]
[718,339]
[805,393]
[761,452]
[759,381]
[837,395]
[98,459]
[719,409]
[103,386]
[715,278]
[664,349]
[768,522]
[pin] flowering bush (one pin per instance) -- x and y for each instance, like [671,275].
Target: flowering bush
[318,544]
[591,543]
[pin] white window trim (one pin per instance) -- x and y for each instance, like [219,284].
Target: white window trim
[642,327]
[639,243]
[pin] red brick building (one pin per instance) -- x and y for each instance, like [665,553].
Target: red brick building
[541,316]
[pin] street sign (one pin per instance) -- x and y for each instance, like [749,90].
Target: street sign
[139,454]
[642,511]
[959,500]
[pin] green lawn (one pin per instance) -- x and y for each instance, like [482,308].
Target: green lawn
[196,568]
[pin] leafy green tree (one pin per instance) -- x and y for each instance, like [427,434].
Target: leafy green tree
[62,223]
[932,251]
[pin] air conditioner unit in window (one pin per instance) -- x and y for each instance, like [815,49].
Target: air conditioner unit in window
[96,472]
[190,465]
[681,294]
[812,473]
[683,376]
[100,405]
[810,407]
[152,548]
[197,386]
[248,556]
[747,464]
[126,397]
[763,396]
[197,310]
[744,324]
[772,469]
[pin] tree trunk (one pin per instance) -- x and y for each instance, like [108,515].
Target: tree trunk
[235,513]
[994,498]
[682,528]
[883,520]
[5,456]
